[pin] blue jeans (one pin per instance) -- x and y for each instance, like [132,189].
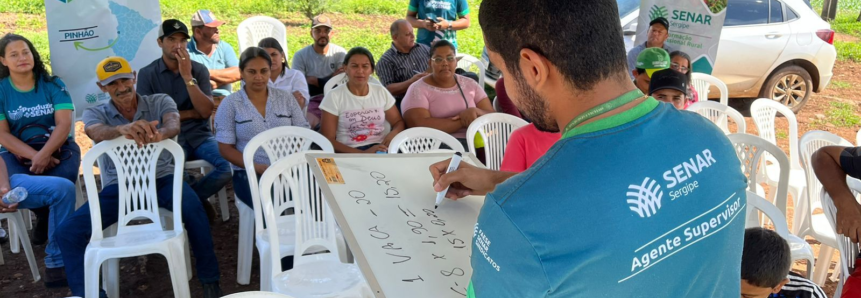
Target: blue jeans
[66,169]
[74,234]
[218,177]
[241,189]
[54,192]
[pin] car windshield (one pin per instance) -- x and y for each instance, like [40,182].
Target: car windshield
[627,6]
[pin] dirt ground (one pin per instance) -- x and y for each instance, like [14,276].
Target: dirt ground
[146,277]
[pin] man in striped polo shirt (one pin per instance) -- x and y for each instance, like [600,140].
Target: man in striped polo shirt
[403,64]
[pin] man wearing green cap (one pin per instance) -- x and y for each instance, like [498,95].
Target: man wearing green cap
[648,62]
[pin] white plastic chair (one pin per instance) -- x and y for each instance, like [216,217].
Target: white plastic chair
[204,166]
[277,143]
[800,249]
[812,223]
[137,192]
[495,129]
[848,249]
[764,112]
[750,150]
[467,62]
[16,224]
[341,79]
[718,113]
[858,138]
[253,29]
[421,139]
[702,83]
[315,275]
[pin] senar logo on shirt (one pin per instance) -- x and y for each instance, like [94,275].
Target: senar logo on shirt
[645,198]
[30,112]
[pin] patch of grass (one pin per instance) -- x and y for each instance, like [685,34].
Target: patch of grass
[23,6]
[840,84]
[389,7]
[842,114]
[846,23]
[28,22]
[848,51]
[781,135]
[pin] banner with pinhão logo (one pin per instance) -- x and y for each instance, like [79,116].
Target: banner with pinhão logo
[82,33]
[695,27]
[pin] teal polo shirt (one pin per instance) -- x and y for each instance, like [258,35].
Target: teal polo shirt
[30,113]
[223,57]
[649,202]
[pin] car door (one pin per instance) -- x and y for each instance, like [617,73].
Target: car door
[753,37]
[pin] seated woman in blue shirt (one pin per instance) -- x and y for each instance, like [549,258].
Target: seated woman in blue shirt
[257,107]
[35,125]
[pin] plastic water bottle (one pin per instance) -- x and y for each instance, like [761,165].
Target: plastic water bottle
[14,196]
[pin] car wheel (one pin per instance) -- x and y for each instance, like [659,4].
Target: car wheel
[790,85]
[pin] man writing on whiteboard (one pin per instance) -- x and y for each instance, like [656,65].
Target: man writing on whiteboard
[593,218]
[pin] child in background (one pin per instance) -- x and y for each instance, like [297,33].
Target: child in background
[765,263]
[526,145]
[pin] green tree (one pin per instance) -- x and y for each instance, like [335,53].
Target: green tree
[310,8]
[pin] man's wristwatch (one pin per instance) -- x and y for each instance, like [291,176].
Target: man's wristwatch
[191,83]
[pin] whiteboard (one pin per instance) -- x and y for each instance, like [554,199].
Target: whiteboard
[384,205]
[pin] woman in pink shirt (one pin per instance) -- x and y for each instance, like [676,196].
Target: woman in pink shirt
[444,100]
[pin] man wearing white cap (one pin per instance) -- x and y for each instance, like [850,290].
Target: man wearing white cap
[207,48]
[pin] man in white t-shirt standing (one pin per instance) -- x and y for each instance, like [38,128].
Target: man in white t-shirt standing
[321,60]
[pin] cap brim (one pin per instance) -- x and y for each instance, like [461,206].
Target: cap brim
[115,77]
[684,92]
[321,25]
[651,71]
[178,32]
[214,24]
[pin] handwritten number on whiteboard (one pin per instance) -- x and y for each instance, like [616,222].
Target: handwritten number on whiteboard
[394,255]
[378,175]
[417,227]
[462,293]
[391,246]
[456,271]
[438,222]
[455,241]
[359,196]
[378,234]
[392,189]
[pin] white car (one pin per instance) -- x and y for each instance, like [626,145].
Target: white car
[778,49]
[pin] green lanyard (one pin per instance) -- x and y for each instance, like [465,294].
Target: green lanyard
[603,109]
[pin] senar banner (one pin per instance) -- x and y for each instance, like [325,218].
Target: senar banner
[695,27]
[82,33]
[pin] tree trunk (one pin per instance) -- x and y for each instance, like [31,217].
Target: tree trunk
[859,17]
[829,10]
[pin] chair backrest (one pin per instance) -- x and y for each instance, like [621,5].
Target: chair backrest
[291,177]
[496,106]
[278,143]
[136,169]
[467,62]
[763,111]
[253,29]
[858,138]
[421,139]
[848,249]
[718,113]
[810,142]
[702,83]
[341,79]
[495,129]
[755,202]
[750,151]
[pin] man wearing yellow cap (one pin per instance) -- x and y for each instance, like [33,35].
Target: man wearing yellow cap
[146,119]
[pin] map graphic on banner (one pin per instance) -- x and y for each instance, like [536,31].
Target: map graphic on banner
[695,27]
[82,33]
